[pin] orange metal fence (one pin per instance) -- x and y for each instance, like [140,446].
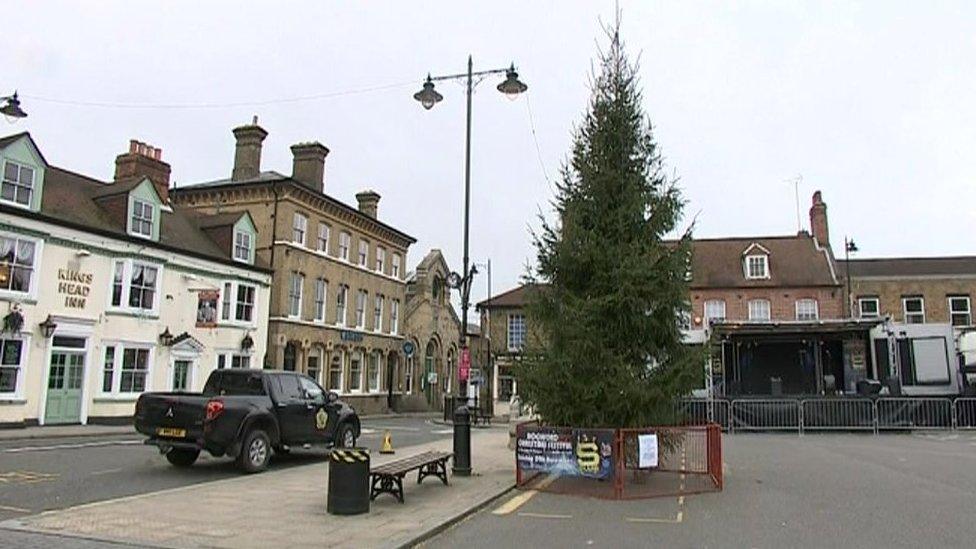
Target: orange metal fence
[689,461]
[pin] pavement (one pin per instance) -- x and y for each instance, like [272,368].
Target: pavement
[45,474]
[781,490]
[280,506]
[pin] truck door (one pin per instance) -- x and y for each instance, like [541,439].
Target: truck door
[296,417]
[325,413]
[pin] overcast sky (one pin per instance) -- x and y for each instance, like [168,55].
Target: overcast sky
[870,102]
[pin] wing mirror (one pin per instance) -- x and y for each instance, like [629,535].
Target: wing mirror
[332,397]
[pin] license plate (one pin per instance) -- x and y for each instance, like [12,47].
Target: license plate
[168,432]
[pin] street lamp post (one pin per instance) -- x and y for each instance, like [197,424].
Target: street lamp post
[11,108]
[428,97]
[849,247]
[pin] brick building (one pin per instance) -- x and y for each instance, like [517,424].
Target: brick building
[339,272]
[918,290]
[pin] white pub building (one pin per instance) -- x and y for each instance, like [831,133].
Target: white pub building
[107,290]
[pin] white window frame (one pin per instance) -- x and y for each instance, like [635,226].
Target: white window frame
[395,266]
[904,309]
[516,331]
[373,367]
[968,312]
[806,302]
[228,304]
[25,344]
[325,232]
[860,307]
[408,376]
[707,313]
[363,257]
[31,292]
[5,182]
[359,357]
[292,305]
[378,300]
[362,297]
[762,260]
[394,316]
[342,305]
[380,263]
[345,242]
[128,265]
[756,317]
[189,372]
[118,360]
[321,298]
[243,240]
[137,217]
[225,359]
[341,355]
[299,228]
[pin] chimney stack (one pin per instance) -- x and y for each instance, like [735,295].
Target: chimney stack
[141,161]
[308,166]
[368,202]
[247,156]
[818,220]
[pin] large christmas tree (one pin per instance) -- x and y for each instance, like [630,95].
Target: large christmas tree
[605,345]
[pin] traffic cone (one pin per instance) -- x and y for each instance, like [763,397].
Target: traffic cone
[387,444]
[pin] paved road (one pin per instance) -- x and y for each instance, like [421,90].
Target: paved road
[781,491]
[38,475]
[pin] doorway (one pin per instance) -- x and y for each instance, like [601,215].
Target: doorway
[66,376]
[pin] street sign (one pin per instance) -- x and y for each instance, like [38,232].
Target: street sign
[408,348]
[465,367]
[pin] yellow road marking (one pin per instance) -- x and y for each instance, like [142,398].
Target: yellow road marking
[543,515]
[14,509]
[523,498]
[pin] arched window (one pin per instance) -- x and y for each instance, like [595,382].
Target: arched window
[438,289]
[291,354]
[335,372]
[449,372]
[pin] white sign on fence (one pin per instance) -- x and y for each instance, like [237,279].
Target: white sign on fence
[647,448]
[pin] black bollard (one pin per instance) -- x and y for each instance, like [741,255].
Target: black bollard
[462,442]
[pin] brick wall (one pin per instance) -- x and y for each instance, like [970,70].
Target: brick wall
[782,302]
[934,291]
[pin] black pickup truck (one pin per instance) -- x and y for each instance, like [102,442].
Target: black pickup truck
[245,414]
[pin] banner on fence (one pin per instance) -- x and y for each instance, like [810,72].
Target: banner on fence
[648,451]
[566,452]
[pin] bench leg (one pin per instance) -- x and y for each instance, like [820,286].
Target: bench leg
[387,484]
[434,469]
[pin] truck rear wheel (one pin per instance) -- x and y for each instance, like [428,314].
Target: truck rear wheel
[255,452]
[182,457]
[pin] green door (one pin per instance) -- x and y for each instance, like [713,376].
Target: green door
[67,371]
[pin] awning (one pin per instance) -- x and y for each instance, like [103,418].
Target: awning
[724,328]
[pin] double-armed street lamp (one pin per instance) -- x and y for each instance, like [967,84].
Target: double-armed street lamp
[428,97]
[849,248]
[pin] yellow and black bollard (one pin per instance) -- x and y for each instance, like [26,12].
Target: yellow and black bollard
[348,482]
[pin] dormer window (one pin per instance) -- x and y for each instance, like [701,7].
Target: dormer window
[757,266]
[17,186]
[242,246]
[142,219]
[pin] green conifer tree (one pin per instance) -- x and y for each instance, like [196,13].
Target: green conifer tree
[604,347]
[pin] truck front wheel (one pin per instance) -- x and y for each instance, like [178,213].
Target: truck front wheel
[255,452]
[182,457]
[345,437]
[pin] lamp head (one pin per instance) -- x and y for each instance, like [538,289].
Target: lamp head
[12,109]
[428,96]
[512,86]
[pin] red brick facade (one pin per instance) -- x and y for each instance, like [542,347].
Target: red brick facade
[782,302]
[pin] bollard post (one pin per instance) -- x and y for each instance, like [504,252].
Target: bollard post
[462,442]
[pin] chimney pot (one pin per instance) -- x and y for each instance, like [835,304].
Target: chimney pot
[247,155]
[308,165]
[369,202]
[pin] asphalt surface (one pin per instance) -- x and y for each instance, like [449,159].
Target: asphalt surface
[44,474]
[828,490]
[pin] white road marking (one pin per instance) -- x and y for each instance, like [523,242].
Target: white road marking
[393,428]
[14,509]
[71,446]
[107,471]
[367,431]
[442,432]
[545,516]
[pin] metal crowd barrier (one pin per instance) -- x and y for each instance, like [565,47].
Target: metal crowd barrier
[964,410]
[766,415]
[838,414]
[841,413]
[914,413]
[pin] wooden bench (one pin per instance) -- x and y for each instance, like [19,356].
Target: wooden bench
[388,477]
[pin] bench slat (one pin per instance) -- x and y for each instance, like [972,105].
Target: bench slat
[405,465]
